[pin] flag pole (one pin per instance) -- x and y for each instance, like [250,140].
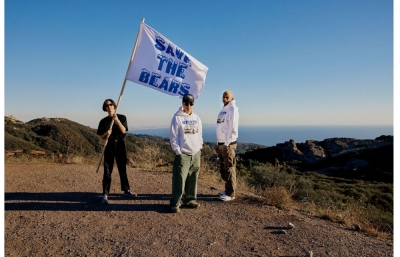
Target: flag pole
[120,96]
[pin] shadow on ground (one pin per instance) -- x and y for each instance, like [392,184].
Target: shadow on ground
[89,201]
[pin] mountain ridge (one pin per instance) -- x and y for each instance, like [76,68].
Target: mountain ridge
[53,134]
[346,157]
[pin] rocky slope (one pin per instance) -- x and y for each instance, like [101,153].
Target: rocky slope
[347,157]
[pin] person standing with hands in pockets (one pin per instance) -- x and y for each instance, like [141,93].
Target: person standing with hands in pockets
[115,148]
[186,141]
[227,134]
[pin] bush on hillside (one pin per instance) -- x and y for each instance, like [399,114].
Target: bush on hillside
[331,198]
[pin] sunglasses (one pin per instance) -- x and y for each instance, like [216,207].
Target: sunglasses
[189,103]
[109,105]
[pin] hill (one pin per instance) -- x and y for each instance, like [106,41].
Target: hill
[58,135]
[341,157]
[51,135]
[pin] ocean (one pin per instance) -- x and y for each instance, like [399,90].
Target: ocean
[272,135]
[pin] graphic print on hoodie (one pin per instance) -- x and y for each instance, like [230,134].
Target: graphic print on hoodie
[221,117]
[190,126]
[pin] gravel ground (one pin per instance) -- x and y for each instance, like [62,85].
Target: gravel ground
[55,210]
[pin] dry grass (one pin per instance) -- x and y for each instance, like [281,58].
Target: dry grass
[359,206]
[354,216]
[279,196]
[52,158]
[149,155]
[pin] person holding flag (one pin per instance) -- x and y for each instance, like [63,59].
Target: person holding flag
[115,148]
[186,141]
[158,63]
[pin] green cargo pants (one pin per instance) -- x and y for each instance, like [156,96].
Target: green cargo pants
[184,178]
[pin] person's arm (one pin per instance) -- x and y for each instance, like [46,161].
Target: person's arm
[233,119]
[200,132]
[122,124]
[174,136]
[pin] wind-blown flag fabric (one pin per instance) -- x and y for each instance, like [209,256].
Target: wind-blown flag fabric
[160,64]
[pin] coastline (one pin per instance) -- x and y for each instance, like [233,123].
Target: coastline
[272,135]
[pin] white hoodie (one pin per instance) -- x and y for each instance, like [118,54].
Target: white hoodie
[227,123]
[186,134]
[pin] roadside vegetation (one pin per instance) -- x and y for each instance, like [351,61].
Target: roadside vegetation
[358,204]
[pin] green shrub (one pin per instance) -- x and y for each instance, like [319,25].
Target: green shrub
[342,200]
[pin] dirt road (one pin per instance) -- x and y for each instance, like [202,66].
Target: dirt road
[55,210]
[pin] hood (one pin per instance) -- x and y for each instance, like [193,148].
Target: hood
[180,112]
[231,105]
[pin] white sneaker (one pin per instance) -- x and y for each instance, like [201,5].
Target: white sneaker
[104,200]
[222,193]
[226,198]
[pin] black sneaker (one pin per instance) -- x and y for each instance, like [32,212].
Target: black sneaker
[128,193]
[175,209]
[192,205]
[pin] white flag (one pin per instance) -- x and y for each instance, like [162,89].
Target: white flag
[160,64]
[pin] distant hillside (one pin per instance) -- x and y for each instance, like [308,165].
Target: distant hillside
[342,157]
[50,135]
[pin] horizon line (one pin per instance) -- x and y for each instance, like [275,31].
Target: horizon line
[286,125]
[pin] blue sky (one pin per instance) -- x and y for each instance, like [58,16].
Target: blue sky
[287,62]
